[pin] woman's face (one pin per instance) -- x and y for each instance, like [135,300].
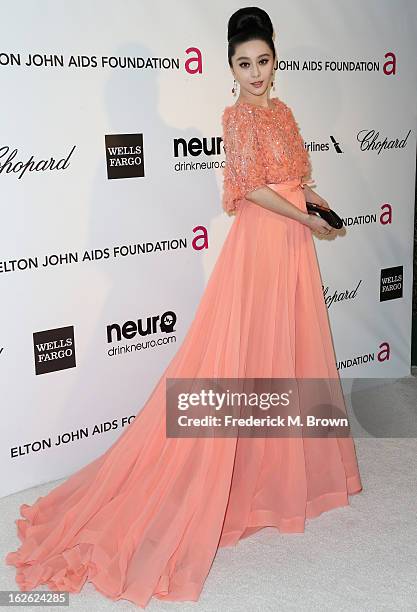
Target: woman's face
[252,63]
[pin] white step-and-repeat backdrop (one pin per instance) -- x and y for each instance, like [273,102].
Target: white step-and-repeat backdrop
[111,175]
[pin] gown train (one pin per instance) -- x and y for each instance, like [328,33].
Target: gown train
[146,518]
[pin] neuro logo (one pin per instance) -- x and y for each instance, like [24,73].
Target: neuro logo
[168,321]
[148,326]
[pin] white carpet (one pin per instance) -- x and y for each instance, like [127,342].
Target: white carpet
[358,558]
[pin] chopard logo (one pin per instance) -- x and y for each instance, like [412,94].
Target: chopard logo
[10,164]
[369,140]
[339,296]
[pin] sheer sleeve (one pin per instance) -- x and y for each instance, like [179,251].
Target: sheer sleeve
[244,168]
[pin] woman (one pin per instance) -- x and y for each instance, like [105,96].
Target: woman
[147,517]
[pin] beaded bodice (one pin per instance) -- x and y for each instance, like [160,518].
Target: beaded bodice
[262,145]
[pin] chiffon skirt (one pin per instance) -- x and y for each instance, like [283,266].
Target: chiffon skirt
[146,518]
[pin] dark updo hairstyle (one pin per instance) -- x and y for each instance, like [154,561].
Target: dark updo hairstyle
[249,23]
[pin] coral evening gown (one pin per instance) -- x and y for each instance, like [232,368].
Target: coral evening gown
[146,518]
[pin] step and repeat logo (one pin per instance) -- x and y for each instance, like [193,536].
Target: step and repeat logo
[142,327]
[124,156]
[54,349]
[391,286]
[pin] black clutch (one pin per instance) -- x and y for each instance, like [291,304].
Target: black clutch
[325,213]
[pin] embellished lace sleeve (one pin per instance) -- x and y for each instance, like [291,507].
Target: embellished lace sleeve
[244,168]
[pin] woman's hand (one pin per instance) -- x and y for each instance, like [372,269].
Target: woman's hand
[318,225]
[313,196]
[312,220]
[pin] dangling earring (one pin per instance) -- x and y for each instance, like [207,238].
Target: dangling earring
[272,82]
[234,87]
